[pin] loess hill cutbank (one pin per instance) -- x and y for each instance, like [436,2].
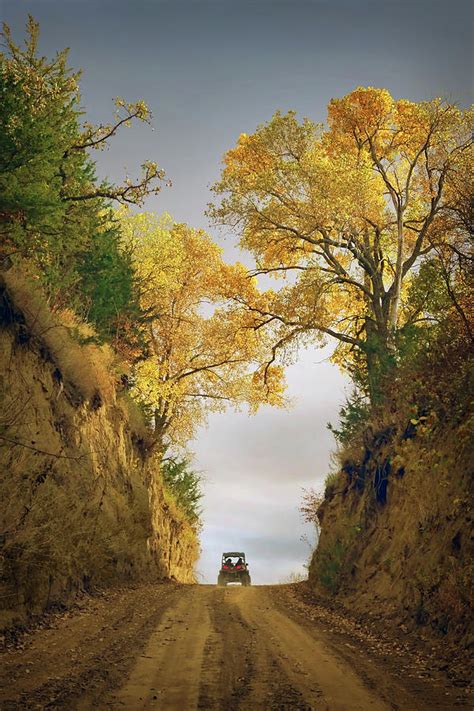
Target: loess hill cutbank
[83,500]
[396,522]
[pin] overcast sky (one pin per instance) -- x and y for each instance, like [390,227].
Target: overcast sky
[211,70]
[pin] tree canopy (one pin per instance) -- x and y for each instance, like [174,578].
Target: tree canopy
[352,209]
[204,350]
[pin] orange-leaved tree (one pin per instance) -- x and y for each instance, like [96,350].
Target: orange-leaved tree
[204,350]
[352,209]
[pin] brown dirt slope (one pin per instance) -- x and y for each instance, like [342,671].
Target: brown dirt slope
[396,539]
[82,506]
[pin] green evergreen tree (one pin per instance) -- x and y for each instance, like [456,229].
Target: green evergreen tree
[53,211]
[185,484]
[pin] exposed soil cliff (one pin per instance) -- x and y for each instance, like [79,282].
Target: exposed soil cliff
[396,542]
[397,536]
[82,505]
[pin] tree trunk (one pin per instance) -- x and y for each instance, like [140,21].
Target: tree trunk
[378,358]
[397,284]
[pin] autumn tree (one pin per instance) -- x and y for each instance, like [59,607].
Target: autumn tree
[204,350]
[352,209]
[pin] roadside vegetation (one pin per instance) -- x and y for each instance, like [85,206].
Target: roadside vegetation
[184,483]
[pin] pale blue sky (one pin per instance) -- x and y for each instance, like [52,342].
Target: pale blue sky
[211,70]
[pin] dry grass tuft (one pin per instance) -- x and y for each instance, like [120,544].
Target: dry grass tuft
[89,368]
[134,416]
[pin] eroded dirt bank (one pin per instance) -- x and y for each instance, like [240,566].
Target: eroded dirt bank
[83,500]
[200,647]
[397,518]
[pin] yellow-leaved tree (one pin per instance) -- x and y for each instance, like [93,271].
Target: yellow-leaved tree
[351,208]
[205,351]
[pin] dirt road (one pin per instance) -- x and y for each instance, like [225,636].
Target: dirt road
[202,647]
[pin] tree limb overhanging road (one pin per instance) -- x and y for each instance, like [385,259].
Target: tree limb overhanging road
[170,646]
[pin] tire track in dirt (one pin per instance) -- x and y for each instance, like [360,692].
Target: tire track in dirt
[228,663]
[239,671]
[294,670]
[71,660]
[168,673]
[380,664]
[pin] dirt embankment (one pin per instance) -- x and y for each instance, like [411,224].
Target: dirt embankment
[82,505]
[396,540]
[201,647]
